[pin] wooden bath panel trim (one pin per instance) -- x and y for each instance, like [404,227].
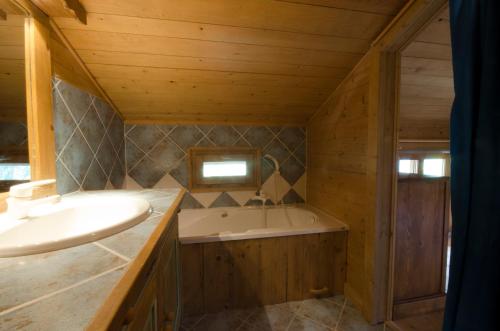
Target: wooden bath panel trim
[256,272]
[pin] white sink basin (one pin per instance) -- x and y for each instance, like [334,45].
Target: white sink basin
[72,222]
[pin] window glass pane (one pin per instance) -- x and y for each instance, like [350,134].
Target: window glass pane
[225,169]
[434,167]
[408,166]
[14,171]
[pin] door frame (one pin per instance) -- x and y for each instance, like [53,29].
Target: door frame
[416,15]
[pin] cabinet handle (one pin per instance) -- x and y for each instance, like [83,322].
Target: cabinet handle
[129,316]
[319,291]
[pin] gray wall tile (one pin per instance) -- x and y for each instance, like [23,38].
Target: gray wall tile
[168,154]
[89,141]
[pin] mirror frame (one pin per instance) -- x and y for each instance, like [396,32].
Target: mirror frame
[38,68]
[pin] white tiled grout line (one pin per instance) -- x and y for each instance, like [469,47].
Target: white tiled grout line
[64,289]
[340,315]
[121,256]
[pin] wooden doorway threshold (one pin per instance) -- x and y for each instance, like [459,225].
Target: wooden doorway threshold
[427,322]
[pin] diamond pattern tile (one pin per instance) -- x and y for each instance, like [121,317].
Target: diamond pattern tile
[188,202]
[104,111]
[95,179]
[291,137]
[180,173]
[88,136]
[292,197]
[132,155]
[166,154]
[77,156]
[292,170]
[224,200]
[92,129]
[64,125]
[147,172]
[145,136]
[259,136]
[278,150]
[78,101]
[105,157]
[223,136]
[300,153]
[65,182]
[165,159]
[186,136]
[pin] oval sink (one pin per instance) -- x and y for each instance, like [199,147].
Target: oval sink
[69,223]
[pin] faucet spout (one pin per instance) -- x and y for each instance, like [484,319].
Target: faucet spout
[21,198]
[276,163]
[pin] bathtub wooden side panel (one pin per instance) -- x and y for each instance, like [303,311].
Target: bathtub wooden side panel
[273,270]
[257,272]
[192,279]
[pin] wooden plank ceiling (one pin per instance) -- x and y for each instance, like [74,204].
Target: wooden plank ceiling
[224,60]
[427,83]
[12,75]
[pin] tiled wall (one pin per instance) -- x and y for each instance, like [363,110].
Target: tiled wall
[13,134]
[156,157]
[89,141]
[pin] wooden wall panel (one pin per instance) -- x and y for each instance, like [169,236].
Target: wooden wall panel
[337,167]
[12,72]
[257,272]
[192,279]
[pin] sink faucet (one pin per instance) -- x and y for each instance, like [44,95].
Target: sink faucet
[261,196]
[22,199]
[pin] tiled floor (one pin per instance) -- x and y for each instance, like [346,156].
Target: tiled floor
[333,313]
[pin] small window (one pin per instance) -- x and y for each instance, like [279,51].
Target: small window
[408,167]
[217,169]
[224,169]
[14,171]
[434,167]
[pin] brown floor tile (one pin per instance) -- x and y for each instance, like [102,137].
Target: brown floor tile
[304,324]
[323,311]
[352,320]
[225,321]
[276,317]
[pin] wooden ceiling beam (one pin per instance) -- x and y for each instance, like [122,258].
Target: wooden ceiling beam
[3,15]
[63,8]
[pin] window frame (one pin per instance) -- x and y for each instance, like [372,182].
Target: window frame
[421,157]
[198,155]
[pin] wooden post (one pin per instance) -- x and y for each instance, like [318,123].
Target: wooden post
[41,143]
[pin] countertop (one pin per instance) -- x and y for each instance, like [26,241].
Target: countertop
[62,290]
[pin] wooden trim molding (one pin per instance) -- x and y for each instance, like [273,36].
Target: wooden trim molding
[104,318]
[63,8]
[199,155]
[41,142]
[414,17]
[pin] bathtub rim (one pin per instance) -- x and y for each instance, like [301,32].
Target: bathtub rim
[331,224]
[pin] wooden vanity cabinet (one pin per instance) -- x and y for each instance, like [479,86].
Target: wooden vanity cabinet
[150,294]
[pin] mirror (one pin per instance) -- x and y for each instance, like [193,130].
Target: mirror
[14,159]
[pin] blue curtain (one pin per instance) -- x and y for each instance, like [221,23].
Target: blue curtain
[473,299]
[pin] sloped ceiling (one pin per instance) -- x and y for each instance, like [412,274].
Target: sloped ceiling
[12,75]
[427,83]
[224,60]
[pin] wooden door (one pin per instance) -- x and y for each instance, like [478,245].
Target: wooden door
[421,239]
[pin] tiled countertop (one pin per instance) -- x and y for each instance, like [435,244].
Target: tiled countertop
[63,290]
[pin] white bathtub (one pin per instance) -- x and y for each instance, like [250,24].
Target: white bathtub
[235,223]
